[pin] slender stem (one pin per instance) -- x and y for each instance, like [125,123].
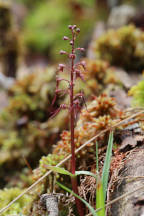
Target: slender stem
[72,108]
[73,161]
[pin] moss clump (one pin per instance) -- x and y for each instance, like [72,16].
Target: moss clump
[98,75]
[7,195]
[25,127]
[102,113]
[123,47]
[138,94]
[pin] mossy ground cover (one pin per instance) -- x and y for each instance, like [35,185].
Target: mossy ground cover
[29,136]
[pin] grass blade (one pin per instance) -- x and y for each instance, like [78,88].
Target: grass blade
[100,201]
[105,173]
[85,202]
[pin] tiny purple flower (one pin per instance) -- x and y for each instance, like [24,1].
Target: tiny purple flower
[83,63]
[65,38]
[78,30]
[81,49]
[61,67]
[71,42]
[72,56]
[74,27]
[62,52]
[70,26]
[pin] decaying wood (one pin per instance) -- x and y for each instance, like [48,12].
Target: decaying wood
[50,202]
[130,177]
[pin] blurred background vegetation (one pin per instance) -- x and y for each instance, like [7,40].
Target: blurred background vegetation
[45,24]
[31,33]
[42,24]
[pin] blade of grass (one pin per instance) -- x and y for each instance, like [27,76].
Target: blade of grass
[105,173]
[92,210]
[100,201]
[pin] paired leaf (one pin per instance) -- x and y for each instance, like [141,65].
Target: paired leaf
[86,173]
[60,170]
[105,173]
[65,172]
[92,210]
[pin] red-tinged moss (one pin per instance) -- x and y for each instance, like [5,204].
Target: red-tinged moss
[100,114]
[98,75]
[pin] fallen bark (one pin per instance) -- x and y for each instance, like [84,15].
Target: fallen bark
[130,177]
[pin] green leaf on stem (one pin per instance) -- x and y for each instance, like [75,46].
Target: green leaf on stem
[86,173]
[65,172]
[60,170]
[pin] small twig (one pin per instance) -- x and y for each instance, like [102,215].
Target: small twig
[133,178]
[66,159]
[27,163]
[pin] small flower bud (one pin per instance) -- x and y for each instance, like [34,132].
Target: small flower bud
[65,38]
[83,64]
[70,26]
[81,49]
[61,67]
[79,74]
[78,30]
[77,71]
[74,27]
[62,52]
[71,42]
[72,56]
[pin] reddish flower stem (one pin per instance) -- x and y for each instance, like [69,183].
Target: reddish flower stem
[72,110]
[74,102]
[72,117]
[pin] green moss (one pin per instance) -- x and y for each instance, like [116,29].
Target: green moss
[25,128]
[7,195]
[138,94]
[99,75]
[123,47]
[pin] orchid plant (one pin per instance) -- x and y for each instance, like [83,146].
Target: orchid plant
[75,71]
